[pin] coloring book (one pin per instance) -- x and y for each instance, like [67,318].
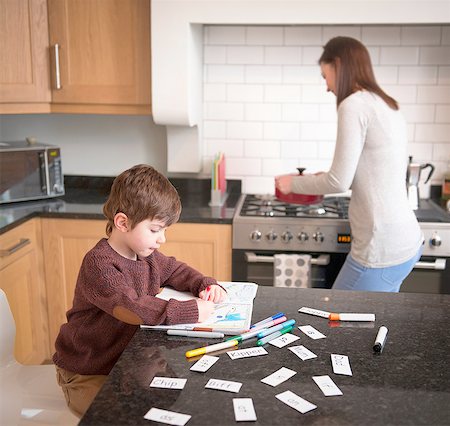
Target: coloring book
[232,316]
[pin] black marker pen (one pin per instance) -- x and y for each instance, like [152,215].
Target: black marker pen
[380,339]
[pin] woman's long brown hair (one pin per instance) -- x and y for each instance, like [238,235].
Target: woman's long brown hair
[353,68]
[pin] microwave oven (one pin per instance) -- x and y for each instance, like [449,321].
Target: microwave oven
[29,171]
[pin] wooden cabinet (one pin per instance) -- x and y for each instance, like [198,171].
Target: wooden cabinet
[205,247]
[102,64]
[22,279]
[24,70]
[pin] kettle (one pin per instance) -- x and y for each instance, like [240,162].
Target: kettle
[412,181]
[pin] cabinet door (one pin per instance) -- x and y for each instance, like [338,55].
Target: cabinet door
[66,241]
[104,51]
[24,70]
[21,278]
[205,247]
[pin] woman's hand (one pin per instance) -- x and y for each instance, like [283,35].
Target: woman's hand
[284,183]
[205,309]
[213,293]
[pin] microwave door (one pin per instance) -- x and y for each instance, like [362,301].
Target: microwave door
[23,175]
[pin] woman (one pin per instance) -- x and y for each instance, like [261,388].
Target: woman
[370,158]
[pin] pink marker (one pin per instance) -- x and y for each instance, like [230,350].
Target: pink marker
[269,324]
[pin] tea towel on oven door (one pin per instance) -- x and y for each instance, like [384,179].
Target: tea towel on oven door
[292,270]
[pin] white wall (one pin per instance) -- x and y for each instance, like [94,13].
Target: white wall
[266,106]
[93,145]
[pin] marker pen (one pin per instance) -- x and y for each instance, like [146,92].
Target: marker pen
[380,340]
[352,317]
[192,333]
[272,336]
[269,323]
[212,348]
[273,317]
[263,333]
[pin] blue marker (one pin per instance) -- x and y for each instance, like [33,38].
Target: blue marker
[273,317]
[271,330]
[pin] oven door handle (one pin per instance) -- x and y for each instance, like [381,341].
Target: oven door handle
[250,257]
[438,265]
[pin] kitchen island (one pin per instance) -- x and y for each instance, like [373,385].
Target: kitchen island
[408,383]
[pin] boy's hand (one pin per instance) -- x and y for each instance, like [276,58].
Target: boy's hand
[213,293]
[205,309]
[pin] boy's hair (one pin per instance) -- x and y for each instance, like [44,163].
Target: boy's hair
[142,193]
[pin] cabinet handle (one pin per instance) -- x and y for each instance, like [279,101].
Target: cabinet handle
[9,251]
[57,73]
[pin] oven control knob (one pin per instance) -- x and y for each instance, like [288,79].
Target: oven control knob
[255,235]
[271,236]
[435,241]
[303,236]
[287,236]
[318,236]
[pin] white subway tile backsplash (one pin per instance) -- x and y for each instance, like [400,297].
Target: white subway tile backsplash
[381,35]
[262,112]
[262,149]
[267,108]
[270,74]
[442,113]
[416,35]
[265,35]
[433,94]
[283,55]
[417,75]
[245,55]
[303,36]
[224,74]
[281,131]
[399,55]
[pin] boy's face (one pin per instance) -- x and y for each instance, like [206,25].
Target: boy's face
[146,237]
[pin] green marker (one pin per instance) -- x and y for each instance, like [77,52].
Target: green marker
[272,336]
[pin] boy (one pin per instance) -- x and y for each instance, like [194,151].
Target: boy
[118,281]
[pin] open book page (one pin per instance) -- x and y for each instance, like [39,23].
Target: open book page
[232,316]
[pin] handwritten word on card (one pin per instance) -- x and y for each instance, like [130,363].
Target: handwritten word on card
[279,376]
[316,312]
[284,340]
[327,386]
[244,410]
[204,363]
[302,352]
[311,332]
[247,353]
[167,383]
[341,364]
[167,417]
[296,402]
[223,385]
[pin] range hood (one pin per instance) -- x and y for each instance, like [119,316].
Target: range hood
[177,50]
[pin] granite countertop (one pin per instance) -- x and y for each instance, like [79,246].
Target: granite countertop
[408,383]
[85,197]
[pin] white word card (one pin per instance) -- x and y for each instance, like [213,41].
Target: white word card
[167,383]
[302,352]
[296,402]
[223,385]
[247,353]
[279,376]
[341,364]
[311,332]
[284,340]
[167,417]
[316,312]
[204,363]
[327,386]
[244,410]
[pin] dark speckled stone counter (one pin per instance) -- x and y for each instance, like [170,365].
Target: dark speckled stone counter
[409,383]
[85,197]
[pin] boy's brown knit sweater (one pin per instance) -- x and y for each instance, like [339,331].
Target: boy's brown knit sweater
[92,339]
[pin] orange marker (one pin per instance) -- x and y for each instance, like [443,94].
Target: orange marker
[352,317]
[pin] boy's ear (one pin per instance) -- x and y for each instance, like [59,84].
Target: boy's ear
[121,222]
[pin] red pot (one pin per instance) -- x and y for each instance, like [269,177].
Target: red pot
[293,198]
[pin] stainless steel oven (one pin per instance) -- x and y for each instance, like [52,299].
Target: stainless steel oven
[264,227]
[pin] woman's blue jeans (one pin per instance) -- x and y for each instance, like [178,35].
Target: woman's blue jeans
[354,276]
